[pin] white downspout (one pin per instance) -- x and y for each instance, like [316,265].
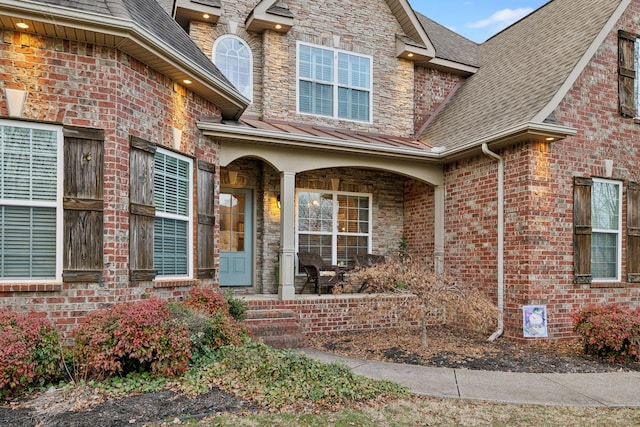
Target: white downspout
[485,150]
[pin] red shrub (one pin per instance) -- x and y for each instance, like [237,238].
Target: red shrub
[30,351]
[611,332]
[132,337]
[208,300]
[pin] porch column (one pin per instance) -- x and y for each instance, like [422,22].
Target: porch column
[286,288]
[438,229]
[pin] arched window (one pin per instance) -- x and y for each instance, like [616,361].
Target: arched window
[233,57]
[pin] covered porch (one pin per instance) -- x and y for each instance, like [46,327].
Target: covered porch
[332,196]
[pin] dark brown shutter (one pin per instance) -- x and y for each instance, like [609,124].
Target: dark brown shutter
[582,230]
[626,73]
[206,219]
[142,210]
[83,197]
[633,232]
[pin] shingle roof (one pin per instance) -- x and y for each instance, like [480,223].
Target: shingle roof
[450,45]
[149,15]
[522,68]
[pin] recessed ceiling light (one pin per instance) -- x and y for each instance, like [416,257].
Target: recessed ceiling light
[410,55]
[187,81]
[278,26]
[206,16]
[22,25]
[550,138]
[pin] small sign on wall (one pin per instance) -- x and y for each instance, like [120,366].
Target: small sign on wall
[534,321]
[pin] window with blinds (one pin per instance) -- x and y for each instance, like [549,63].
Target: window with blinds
[30,201]
[334,83]
[172,252]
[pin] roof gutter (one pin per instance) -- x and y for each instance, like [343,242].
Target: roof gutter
[500,330]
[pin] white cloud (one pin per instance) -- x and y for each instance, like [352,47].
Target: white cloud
[502,18]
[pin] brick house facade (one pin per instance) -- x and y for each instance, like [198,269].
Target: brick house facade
[414,142]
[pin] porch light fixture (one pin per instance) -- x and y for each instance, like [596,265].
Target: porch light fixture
[278,200]
[22,25]
[206,16]
[15,101]
[550,139]
[187,81]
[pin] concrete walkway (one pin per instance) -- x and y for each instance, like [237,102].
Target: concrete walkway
[616,389]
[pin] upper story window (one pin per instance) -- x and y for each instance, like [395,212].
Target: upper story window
[30,201]
[335,225]
[233,57]
[172,252]
[334,83]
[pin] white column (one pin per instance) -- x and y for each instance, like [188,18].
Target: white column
[286,288]
[438,229]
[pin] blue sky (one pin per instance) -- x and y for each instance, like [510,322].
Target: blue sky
[476,20]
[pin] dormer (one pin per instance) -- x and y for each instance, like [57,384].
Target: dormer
[268,15]
[197,10]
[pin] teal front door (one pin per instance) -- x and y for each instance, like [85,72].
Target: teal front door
[236,237]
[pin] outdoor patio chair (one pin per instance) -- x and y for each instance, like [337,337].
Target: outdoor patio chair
[319,272]
[366,261]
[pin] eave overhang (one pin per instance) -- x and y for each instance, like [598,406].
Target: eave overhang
[81,26]
[266,16]
[526,132]
[208,11]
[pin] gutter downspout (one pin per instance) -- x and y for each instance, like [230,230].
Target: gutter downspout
[498,333]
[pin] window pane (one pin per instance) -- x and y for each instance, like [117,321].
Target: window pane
[170,246]
[349,247]
[233,58]
[316,64]
[29,163]
[316,98]
[317,244]
[605,206]
[353,71]
[604,255]
[353,104]
[27,242]
[232,223]
[171,185]
[315,212]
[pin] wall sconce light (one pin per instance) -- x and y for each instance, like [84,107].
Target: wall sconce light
[15,101]
[278,200]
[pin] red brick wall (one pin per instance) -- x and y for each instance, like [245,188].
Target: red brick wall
[432,88]
[539,201]
[418,219]
[93,86]
[344,313]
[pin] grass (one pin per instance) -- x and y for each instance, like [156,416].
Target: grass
[420,411]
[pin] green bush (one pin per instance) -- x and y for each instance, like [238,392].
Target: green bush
[611,332]
[30,352]
[132,337]
[208,331]
[237,307]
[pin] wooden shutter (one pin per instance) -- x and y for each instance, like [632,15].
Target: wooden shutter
[83,199]
[582,230]
[626,73]
[206,219]
[141,209]
[633,232]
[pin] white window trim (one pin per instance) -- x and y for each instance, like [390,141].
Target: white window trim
[334,83]
[39,203]
[231,36]
[188,219]
[618,277]
[334,233]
